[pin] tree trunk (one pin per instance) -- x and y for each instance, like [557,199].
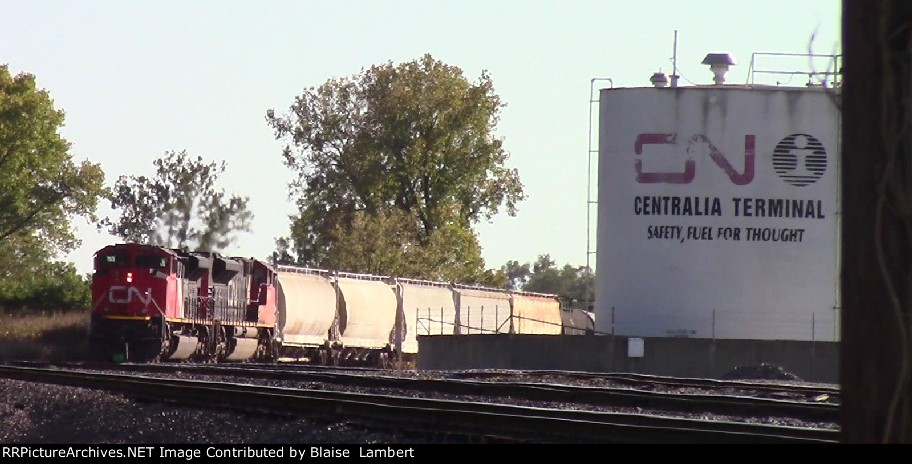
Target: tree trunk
[876,225]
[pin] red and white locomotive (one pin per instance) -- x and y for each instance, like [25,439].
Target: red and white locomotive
[155,303]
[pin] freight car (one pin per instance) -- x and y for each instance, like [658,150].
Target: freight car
[577,322]
[154,303]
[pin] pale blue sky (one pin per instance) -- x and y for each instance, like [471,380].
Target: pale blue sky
[137,78]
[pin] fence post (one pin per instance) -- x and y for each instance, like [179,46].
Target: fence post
[714,324]
[612,321]
[468,322]
[813,321]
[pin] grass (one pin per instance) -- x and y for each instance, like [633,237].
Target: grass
[48,337]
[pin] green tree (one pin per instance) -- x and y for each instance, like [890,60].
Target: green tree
[53,286]
[179,207]
[576,283]
[41,187]
[388,244]
[516,274]
[417,138]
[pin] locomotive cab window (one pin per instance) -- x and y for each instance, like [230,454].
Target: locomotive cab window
[152,262]
[105,262]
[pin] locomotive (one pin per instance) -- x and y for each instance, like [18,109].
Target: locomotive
[152,303]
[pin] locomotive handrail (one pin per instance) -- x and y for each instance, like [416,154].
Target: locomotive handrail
[157,307]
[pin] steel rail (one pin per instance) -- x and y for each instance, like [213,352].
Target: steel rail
[518,422]
[735,405]
[659,380]
[628,377]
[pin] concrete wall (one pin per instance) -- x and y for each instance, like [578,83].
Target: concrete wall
[684,357]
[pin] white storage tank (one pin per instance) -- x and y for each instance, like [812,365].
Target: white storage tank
[718,212]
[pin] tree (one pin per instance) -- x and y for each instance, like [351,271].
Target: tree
[41,188]
[180,207]
[574,283]
[387,244]
[415,137]
[53,286]
[516,274]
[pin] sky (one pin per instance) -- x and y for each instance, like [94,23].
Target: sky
[139,78]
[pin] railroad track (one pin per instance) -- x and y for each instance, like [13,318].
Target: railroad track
[740,406]
[633,379]
[517,423]
[676,382]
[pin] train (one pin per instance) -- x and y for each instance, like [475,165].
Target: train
[152,303]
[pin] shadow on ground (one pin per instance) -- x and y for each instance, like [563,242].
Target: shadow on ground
[58,344]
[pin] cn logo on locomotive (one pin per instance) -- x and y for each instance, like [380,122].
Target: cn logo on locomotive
[121,294]
[697,145]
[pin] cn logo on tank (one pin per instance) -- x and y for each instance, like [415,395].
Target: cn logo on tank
[696,145]
[799,159]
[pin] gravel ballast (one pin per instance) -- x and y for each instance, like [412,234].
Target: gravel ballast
[37,413]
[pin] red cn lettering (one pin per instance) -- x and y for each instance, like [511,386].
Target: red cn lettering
[697,144]
[737,178]
[685,177]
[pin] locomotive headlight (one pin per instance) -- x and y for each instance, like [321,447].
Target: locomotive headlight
[129,277]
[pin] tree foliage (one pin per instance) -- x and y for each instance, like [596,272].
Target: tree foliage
[179,207]
[387,244]
[408,149]
[573,282]
[41,187]
[55,286]
[41,191]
